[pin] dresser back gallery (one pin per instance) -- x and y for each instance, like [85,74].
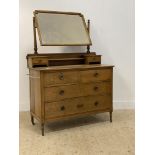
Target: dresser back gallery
[65,85]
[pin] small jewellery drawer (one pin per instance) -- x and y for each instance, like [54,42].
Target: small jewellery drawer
[60,77]
[93,59]
[55,93]
[96,75]
[77,105]
[40,61]
[96,88]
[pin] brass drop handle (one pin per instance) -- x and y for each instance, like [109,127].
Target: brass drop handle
[61,92]
[96,74]
[79,105]
[96,103]
[95,88]
[62,108]
[61,76]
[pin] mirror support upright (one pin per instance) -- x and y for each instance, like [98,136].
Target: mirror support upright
[35,38]
[88,28]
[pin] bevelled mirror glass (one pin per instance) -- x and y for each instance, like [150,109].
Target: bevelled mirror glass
[61,28]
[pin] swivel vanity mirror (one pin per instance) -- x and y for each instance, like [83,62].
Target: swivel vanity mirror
[60,29]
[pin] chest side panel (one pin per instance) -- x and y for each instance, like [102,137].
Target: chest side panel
[35,93]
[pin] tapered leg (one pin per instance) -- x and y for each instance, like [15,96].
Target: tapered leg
[42,129]
[32,120]
[110,116]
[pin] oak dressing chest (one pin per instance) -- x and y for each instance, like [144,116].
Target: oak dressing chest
[64,85]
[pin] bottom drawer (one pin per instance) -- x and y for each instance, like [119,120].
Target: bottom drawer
[77,105]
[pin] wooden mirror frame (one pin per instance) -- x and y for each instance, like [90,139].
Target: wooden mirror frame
[35,26]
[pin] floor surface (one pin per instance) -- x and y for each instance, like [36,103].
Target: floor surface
[93,135]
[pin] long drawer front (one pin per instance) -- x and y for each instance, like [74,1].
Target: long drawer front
[57,93]
[86,76]
[77,105]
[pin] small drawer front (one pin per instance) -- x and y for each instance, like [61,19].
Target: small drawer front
[77,105]
[96,88]
[96,75]
[60,78]
[40,61]
[93,59]
[61,92]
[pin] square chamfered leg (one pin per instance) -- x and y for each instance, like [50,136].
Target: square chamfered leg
[42,129]
[32,120]
[110,116]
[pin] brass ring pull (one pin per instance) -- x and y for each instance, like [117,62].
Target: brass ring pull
[79,105]
[96,74]
[61,76]
[96,103]
[62,108]
[95,88]
[61,92]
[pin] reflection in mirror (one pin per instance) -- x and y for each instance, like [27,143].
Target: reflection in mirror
[62,29]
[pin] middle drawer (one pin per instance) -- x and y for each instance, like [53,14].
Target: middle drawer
[56,93]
